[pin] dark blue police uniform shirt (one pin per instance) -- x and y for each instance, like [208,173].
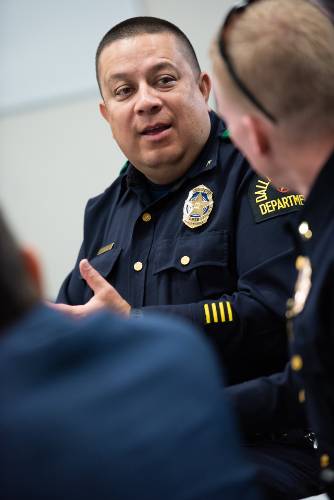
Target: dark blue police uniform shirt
[231,275]
[312,311]
[304,391]
[108,408]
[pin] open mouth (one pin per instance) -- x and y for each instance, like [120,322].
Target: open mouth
[155,129]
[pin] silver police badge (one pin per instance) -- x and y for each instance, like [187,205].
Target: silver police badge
[198,206]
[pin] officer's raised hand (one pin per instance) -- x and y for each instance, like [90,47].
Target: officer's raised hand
[105,295]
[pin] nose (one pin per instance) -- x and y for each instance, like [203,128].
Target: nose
[147,100]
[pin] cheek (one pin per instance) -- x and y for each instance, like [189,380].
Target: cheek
[192,111]
[121,130]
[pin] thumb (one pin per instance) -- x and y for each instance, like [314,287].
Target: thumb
[93,278]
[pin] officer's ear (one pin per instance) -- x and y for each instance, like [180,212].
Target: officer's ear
[33,268]
[104,111]
[204,84]
[258,137]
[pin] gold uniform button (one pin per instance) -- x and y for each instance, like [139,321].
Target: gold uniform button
[324,461]
[301,396]
[305,231]
[296,363]
[185,260]
[138,266]
[146,217]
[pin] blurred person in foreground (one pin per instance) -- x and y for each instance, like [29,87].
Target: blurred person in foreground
[274,72]
[107,408]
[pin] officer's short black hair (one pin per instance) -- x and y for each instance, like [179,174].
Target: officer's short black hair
[141,25]
[17,292]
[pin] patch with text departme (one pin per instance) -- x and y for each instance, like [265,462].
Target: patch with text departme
[267,201]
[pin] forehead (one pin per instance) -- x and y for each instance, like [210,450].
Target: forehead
[140,52]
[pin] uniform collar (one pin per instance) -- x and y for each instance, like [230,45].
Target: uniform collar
[207,159]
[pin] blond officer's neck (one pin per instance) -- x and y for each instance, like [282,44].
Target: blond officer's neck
[307,162]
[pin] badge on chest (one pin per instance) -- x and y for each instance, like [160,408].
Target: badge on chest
[198,206]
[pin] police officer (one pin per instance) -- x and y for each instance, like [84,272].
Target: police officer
[187,229]
[295,43]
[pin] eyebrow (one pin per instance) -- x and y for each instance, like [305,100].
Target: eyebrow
[153,69]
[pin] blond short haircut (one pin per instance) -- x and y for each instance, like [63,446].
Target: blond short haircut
[283,50]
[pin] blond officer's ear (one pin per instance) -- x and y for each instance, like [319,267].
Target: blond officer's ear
[257,135]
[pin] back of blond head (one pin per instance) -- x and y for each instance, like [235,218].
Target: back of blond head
[283,50]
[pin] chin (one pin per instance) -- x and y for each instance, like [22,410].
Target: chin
[164,157]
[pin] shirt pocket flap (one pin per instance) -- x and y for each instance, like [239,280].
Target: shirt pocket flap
[185,254]
[105,262]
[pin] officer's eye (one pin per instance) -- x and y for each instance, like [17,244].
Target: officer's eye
[122,92]
[166,81]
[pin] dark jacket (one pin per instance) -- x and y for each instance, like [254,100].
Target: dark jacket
[305,389]
[231,272]
[108,408]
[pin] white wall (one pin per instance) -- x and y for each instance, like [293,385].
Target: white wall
[199,19]
[57,152]
[52,160]
[47,47]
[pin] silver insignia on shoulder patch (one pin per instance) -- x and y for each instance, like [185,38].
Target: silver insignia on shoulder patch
[198,206]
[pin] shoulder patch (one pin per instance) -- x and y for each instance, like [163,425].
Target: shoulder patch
[268,202]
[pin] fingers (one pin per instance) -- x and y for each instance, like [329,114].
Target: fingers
[74,311]
[105,295]
[93,278]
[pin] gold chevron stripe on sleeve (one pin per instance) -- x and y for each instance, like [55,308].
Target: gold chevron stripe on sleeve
[222,312]
[218,312]
[207,313]
[214,312]
[229,311]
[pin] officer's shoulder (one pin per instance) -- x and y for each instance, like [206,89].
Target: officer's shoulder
[111,191]
[231,160]
[268,201]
